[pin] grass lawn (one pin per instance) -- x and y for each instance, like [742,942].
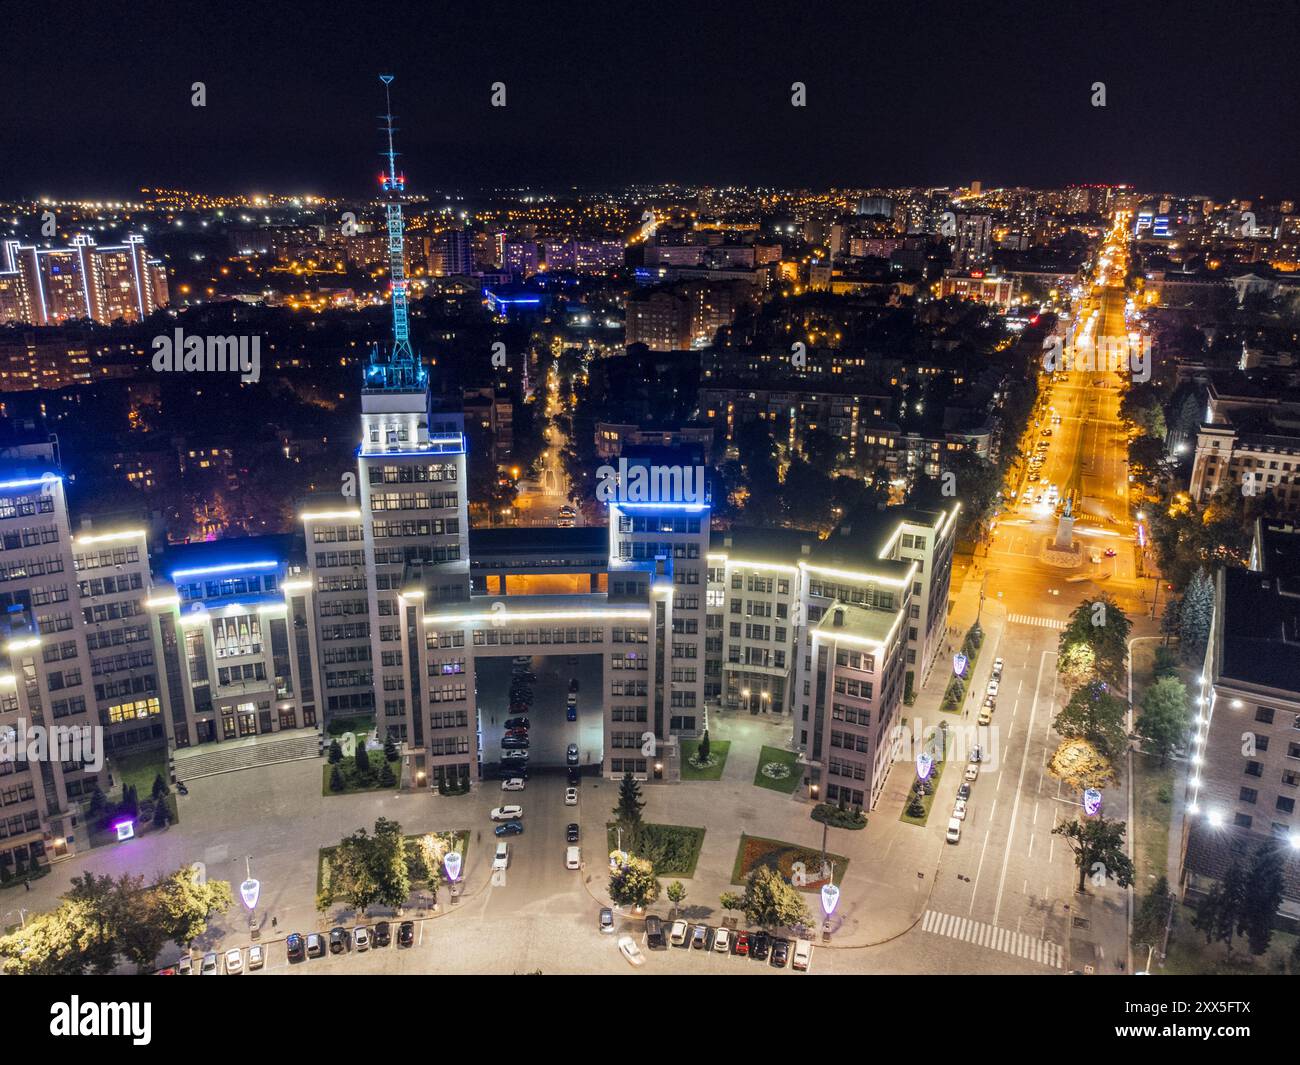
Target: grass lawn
[673,850]
[1189,955]
[1153,785]
[717,755]
[926,800]
[140,769]
[756,851]
[351,781]
[776,758]
[341,725]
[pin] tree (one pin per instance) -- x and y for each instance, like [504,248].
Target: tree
[1152,917]
[633,883]
[184,905]
[703,751]
[729,901]
[386,778]
[1103,627]
[161,814]
[1165,717]
[366,870]
[1166,663]
[1195,615]
[160,788]
[48,944]
[628,810]
[1217,914]
[337,782]
[336,752]
[390,750]
[771,901]
[676,894]
[1098,848]
[1095,714]
[362,762]
[1261,896]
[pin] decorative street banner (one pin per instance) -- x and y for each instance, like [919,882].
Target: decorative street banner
[959,662]
[1091,802]
[451,862]
[250,891]
[924,763]
[830,898]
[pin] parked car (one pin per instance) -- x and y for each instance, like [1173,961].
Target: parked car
[516,722]
[572,858]
[677,935]
[959,810]
[993,687]
[976,755]
[759,945]
[256,957]
[802,960]
[507,813]
[571,832]
[963,790]
[953,835]
[516,733]
[1110,552]
[509,828]
[722,941]
[513,784]
[361,938]
[700,936]
[339,940]
[571,712]
[185,966]
[234,961]
[628,948]
[972,774]
[742,944]
[209,966]
[575,776]
[502,857]
[513,771]
[780,953]
[606,923]
[654,933]
[315,945]
[514,743]
[570,796]
[406,934]
[383,934]
[571,754]
[514,757]
[296,947]
[985,716]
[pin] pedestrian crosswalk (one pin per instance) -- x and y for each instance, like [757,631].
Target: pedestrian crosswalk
[982,934]
[1029,619]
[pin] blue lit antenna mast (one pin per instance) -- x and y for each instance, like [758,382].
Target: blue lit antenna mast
[403,370]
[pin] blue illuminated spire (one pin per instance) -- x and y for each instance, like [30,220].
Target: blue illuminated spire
[402,370]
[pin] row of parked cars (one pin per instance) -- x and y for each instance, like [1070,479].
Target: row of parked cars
[759,946]
[298,947]
[953,835]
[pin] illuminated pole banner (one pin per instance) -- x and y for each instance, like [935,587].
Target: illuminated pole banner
[959,664]
[451,863]
[250,891]
[1091,802]
[924,763]
[830,898]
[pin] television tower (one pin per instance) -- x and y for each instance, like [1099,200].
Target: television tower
[403,369]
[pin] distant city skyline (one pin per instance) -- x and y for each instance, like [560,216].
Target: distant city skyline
[894,97]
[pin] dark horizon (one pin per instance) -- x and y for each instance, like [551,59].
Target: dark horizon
[1198,100]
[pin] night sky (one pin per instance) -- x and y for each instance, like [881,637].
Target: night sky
[1202,98]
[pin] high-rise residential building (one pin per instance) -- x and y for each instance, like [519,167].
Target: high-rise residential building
[520,258]
[44,286]
[450,254]
[973,242]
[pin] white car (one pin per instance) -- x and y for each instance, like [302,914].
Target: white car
[997,668]
[953,835]
[570,796]
[502,857]
[513,784]
[507,813]
[972,773]
[992,688]
[959,811]
[628,948]
[573,858]
[722,941]
[361,938]
[256,957]
[677,937]
[234,962]
[802,959]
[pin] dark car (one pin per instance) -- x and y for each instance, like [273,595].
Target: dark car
[575,776]
[509,828]
[572,712]
[571,833]
[339,940]
[571,754]
[514,743]
[521,732]
[700,936]
[296,946]
[510,770]
[780,953]
[383,934]
[573,684]
[758,945]
[963,790]
[406,933]
[654,933]
[516,722]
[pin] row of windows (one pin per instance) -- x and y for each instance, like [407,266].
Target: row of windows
[121,556]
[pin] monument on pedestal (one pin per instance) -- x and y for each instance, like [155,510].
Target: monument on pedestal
[1065,530]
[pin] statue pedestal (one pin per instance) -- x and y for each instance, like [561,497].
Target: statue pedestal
[1064,535]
